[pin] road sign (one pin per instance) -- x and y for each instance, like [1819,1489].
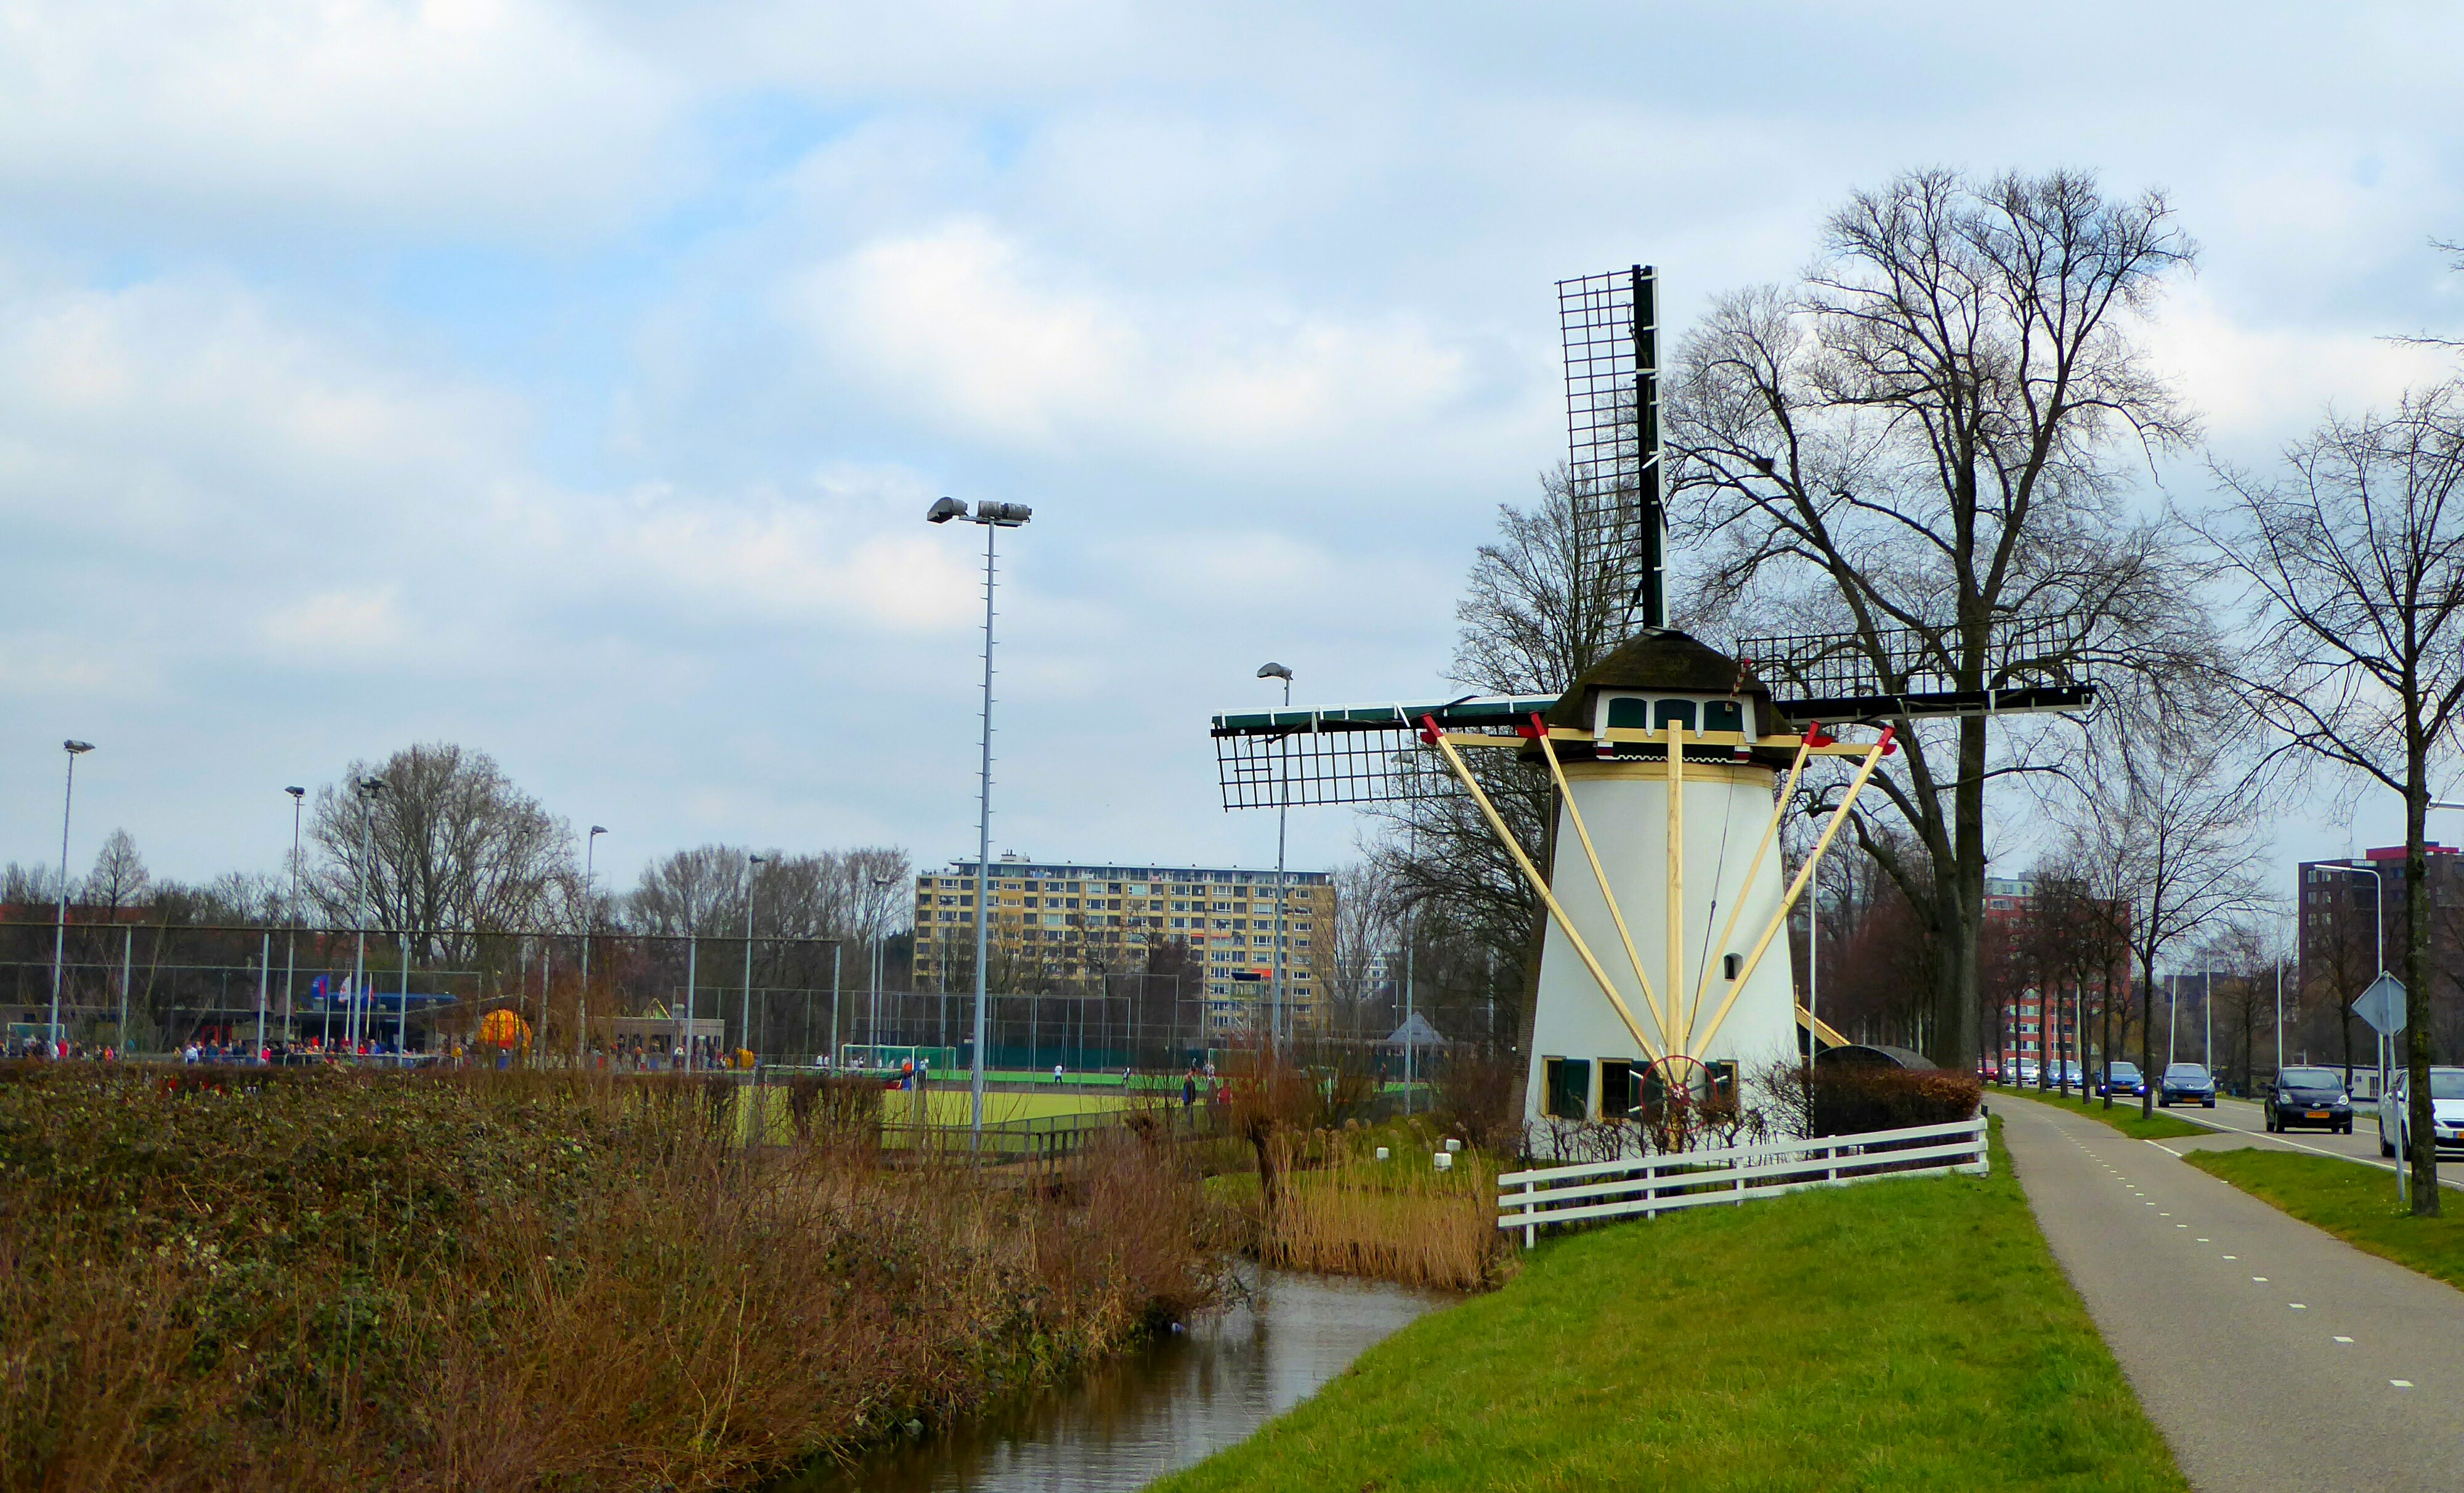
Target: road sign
[2381,1005]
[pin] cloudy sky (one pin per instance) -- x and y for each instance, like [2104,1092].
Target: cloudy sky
[569,380]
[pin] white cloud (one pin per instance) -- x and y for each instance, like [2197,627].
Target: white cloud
[2260,384]
[963,323]
[434,114]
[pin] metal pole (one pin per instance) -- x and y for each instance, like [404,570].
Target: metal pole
[359,960]
[60,931]
[589,915]
[1279,1018]
[2172,1018]
[127,953]
[744,1012]
[402,1020]
[1410,1046]
[693,952]
[2279,1015]
[264,976]
[835,950]
[290,959]
[983,854]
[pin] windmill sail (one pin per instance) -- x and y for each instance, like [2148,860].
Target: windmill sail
[1611,327]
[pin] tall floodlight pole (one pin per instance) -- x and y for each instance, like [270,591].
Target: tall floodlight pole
[994,517]
[60,930]
[367,788]
[589,915]
[291,960]
[745,1015]
[1276,1019]
[880,959]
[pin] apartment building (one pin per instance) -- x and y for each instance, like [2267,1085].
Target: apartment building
[1080,920]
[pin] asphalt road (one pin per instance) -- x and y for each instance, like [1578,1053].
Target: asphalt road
[2240,1121]
[2269,1353]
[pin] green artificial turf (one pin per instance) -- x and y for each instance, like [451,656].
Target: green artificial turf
[2123,1116]
[1888,1336]
[2355,1203]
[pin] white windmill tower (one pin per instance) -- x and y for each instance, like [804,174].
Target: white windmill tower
[1665,971]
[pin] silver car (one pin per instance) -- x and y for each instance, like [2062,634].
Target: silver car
[2446,1111]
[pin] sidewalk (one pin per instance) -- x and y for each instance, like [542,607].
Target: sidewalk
[2270,1354]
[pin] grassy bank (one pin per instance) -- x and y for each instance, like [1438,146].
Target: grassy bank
[490,1281]
[2357,1204]
[2123,1116]
[1890,1336]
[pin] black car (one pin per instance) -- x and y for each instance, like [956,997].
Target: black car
[2126,1080]
[2186,1083]
[2309,1095]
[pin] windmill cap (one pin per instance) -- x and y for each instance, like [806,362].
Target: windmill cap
[1663,660]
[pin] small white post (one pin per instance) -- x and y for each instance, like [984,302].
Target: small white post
[1531,1201]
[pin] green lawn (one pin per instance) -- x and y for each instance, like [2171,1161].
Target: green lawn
[1891,1336]
[2123,1116]
[2355,1203]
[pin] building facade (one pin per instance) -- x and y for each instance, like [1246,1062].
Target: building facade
[1055,922]
[2346,906]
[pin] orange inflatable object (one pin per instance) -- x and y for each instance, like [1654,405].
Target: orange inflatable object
[501,1028]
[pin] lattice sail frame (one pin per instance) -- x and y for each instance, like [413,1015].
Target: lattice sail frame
[1610,326]
[1356,754]
[2036,664]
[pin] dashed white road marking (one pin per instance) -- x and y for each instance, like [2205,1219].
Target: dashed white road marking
[2344,1340]
[2401,1384]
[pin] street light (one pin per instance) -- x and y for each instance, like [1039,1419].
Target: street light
[2378,917]
[60,931]
[291,960]
[880,970]
[745,1015]
[1275,1017]
[589,915]
[994,517]
[367,788]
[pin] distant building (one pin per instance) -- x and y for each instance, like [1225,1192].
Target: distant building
[2340,902]
[1082,920]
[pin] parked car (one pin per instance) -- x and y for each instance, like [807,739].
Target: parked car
[2068,1073]
[2186,1083]
[1990,1071]
[2026,1071]
[2446,1112]
[2309,1095]
[2126,1080]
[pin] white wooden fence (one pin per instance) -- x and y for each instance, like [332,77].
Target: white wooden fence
[1643,1186]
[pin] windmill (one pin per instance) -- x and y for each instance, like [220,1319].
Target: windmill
[1665,971]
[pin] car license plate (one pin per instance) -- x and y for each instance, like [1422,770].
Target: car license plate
[2318,1114]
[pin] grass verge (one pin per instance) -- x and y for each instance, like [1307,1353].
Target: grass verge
[2123,1116]
[1890,1336]
[2356,1204]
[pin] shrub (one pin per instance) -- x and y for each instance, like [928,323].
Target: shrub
[1849,1101]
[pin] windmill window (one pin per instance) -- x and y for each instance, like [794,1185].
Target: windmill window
[1569,1087]
[1617,1089]
[1723,715]
[1665,711]
[1731,966]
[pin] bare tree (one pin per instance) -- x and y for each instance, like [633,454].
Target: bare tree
[1918,447]
[450,850]
[2173,810]
[1363,938]
[118,878]
[2353,561]
[1536,613]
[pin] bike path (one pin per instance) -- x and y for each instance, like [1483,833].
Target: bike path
[2270,1354]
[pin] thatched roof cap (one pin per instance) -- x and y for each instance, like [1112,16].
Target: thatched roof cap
[1663,660]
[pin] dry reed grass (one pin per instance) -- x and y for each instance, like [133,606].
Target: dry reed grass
[1341,1211]
[522,1282]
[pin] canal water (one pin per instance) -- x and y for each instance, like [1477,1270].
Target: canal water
[1151,1412]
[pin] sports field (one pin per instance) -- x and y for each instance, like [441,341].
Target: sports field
[950,1105]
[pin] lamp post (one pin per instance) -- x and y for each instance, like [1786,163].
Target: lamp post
[745,1015]
[1275,1017]
[60,930]
[994,517]
[291,960]
[2378,917]
[589,916]
[880,964]
[353,1025]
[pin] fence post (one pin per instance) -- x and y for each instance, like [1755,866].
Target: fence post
[1531,1201]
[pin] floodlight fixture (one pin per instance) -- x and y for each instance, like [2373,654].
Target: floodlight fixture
[1274,671]
[944,510]
[297,792]
[77,749]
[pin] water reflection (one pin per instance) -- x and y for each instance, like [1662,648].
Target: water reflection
[1158,1410]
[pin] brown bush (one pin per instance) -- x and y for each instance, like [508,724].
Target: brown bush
[1849,1101]
[511,1280]
[1480,1091]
